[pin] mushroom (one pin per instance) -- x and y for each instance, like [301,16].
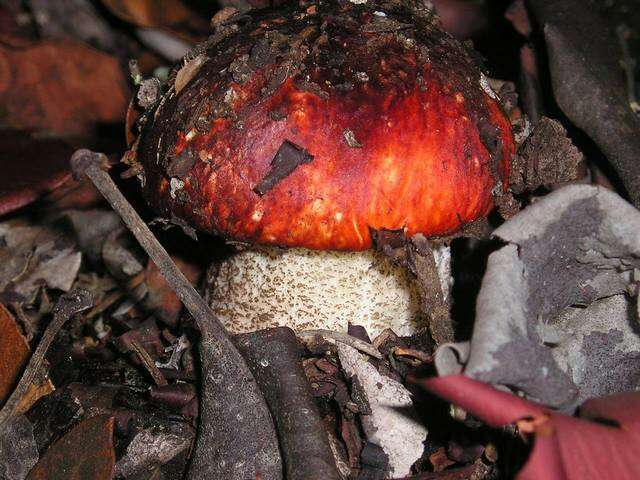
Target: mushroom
[298,132]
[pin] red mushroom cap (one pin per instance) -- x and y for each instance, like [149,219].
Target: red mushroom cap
[310,126]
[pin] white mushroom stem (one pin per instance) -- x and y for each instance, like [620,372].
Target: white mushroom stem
[307,289]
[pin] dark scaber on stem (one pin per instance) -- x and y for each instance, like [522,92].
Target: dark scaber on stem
[236,438]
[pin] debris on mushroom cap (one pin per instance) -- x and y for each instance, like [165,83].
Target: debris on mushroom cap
[269,105]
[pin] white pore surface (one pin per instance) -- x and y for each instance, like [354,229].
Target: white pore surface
[307,289]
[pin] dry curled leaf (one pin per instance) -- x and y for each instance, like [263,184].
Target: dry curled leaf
[391,422]
[153,447]
[553,317]
[77,19]
[18,448]
[33,256]
[587,73]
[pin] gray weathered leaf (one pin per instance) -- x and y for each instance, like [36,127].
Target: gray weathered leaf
[18,449]
[575,248]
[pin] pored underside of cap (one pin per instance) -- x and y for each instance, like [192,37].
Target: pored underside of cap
[310,126]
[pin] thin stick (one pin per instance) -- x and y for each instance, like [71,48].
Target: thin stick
[237,438]
[148,363]
[91,164]
[333,337]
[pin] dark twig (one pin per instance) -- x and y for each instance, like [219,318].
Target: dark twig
[629,65]
[148,363]
[237,438]
[91,164]
[308,336]
[67,306]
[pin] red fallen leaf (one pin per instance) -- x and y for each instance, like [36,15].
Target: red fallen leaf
[62,85]
[31,167]
[14,353]
[564,447]
[84,452]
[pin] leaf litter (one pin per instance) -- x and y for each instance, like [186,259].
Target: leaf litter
[555,319]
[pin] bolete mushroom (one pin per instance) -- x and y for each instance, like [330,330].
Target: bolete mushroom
[300,130]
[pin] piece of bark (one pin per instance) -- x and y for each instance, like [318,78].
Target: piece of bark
[274,357]
[547,158]
[422,263]
[433,276]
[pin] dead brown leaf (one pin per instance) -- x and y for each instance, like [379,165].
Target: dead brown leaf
[31,166]
[14,353]
[63,86]
[149,13]
[161,299]
[84,452]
